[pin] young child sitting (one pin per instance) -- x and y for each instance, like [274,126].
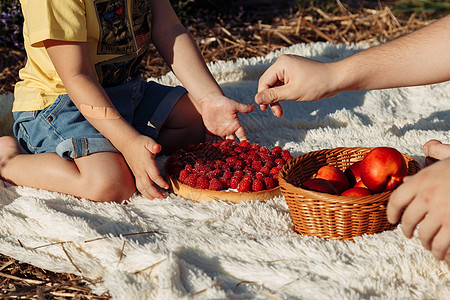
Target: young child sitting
[86,123]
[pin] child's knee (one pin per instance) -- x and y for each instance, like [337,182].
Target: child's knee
[112,187]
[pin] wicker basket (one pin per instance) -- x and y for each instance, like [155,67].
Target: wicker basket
[330,216]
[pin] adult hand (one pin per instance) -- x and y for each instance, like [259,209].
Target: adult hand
[425,198]
[220,116]
[296,78]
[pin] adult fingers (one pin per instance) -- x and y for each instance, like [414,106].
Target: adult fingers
[399,199]
[435,149]
[277,110]
[441,243]
[413,214]
[270,77]
[427,230]
[273,95]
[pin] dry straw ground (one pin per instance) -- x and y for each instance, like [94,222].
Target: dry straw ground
[225,39]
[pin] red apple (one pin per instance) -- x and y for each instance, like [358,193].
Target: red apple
[357,191]
[335,176]
[320,185]
[383,169]
[353,173]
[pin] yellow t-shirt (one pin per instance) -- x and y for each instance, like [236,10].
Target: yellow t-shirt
[117,33]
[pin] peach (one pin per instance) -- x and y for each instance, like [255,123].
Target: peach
[320,185]
[353,173]
[334,175]
[357,191]
[383,169]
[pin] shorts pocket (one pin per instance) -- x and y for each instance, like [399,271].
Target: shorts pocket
[23,129]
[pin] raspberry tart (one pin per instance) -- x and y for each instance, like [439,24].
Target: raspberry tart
[226,170]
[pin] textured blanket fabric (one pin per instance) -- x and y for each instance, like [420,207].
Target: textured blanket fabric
[178,249]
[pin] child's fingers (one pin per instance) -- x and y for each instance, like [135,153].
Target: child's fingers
[245,108]
[240,134]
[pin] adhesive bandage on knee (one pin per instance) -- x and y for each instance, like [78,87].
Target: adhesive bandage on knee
[99,112]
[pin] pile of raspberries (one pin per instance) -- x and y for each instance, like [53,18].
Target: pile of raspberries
[227,164]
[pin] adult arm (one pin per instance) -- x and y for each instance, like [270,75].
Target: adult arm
[419,58]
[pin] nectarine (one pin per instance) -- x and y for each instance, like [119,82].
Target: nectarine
[320,185]
[383,169]
[353,173]
[361,184]
[356,191]
[335,176]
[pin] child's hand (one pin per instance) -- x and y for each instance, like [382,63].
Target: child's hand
[220,116]
[425,198]
[140,156]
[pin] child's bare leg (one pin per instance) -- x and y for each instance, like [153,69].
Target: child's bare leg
[184,126]
[102,176]
[434,150]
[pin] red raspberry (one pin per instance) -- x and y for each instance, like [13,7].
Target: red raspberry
[274,171]
[270,183]
[215,184]
[248,176]
[188,167]
[275,178]
[260,175]
[270,164]
[245,185]
[279,162]
[202,182]
[231,160]
[191,180]
[264,149]
[255,146]
[234,182]
[257,185]
[247,170]
[265,170]
[219,163]
[276,150]
[239,149]
[239,174]
[239,164]
[183,175]
[225,183]
[257,165]
[227,174]
[212,174]
[243,156]
[245,144]
[286,155]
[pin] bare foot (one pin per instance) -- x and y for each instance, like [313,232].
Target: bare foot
[8,149]
[434,150]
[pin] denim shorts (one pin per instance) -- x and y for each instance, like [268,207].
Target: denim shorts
[62,129]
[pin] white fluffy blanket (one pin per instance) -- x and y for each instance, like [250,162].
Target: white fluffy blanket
[178,249]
